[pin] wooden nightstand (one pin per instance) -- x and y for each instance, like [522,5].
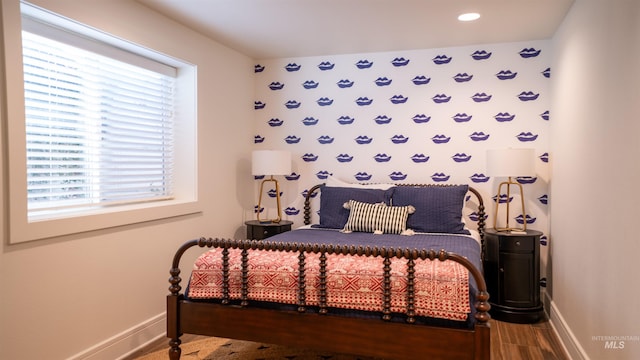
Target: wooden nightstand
[512,273]
[257,230]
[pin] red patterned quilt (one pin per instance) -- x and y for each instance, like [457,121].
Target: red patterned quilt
[353,282]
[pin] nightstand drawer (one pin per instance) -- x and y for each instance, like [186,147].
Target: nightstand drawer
[258,231]
[517,244]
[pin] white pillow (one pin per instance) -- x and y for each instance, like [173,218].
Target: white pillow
[332,181]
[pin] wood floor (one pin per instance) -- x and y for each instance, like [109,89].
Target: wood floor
[508,342]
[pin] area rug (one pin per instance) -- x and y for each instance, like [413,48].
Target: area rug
[226,349]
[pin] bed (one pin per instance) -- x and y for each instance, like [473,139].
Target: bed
[389,272]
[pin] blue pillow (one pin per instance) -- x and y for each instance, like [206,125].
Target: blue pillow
[438,208]
[332,213]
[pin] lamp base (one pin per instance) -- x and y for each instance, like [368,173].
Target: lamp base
[508,228]
[279,218]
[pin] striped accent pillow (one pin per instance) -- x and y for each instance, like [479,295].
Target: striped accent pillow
[377,218]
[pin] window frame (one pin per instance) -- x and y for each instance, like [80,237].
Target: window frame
[185,200]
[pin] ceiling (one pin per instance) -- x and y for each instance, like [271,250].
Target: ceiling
[265,29]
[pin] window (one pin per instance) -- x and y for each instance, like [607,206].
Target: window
[99,127]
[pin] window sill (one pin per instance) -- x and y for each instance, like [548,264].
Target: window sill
[23,231]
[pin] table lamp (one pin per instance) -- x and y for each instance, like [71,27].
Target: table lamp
[270,162]
[510,163]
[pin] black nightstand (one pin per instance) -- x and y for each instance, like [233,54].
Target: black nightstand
[257,230]
[512,273]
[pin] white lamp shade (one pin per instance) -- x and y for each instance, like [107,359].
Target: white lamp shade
[510,162]
[271,162]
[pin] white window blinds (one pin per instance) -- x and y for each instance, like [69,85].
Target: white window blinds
[99,131]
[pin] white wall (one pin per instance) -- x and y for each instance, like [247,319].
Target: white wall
[83,294]
[595,172]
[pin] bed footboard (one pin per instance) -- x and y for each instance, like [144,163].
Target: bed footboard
[478,339]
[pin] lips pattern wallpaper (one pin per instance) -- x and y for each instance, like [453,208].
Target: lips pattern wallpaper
[420,116]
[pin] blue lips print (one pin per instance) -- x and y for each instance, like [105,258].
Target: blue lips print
[397,175]
[526,179]
[479,136]
[503,199]
[419,158]
[308,157]
[325,65]
[310,84]
[272,193]
[275,122]
[292,104]
[324,101]
[345,83]
[506,75]
[364,64]
[309,121]
[292,177]
[382,119]
[292,139]
[504,116]
[420,80]
[545,115]
[258,139]
[259,105]
[306,191]
[462,117]
[291,211]
[529,52]
[322,175]
[481,55]
[398,99]
[528,96]
[520,219]
[462,77]
[440,139]
[479,178]
[474,216]
[441,98]
[399,139]
[276,86]
[547,73]
[344,158]
[325,139]
[544,199]
[345,120]
[383,81]
[440,177]
[382,158]
[421,118]
[363,101]
[461,157]
[400,61]
[363,139]
[292,67]
[442,59]
[544,157]
[258,68]
[362,176]
[481,97]
[543,241]
[526,136]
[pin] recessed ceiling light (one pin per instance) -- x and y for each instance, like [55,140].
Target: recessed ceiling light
[469,17]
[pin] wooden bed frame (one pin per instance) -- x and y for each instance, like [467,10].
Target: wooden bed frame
[316,330]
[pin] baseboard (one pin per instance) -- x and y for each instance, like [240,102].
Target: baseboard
[127,342]
[567,339]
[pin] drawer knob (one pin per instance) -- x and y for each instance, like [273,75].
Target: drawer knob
[517,243]
[266,232]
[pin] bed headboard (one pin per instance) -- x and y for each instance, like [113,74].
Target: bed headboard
[480,203]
